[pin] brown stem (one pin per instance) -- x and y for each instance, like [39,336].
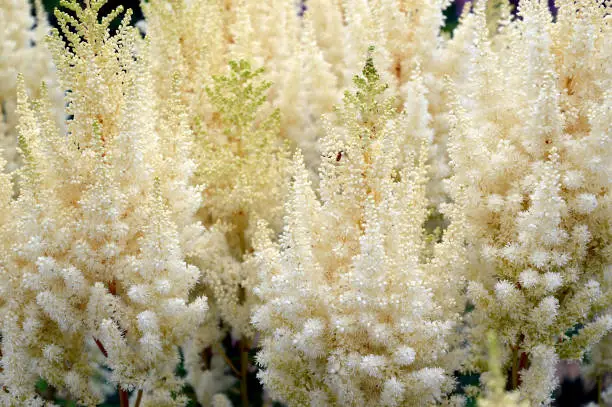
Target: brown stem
[138,398]
[523,364]
[205,357]
[244,365]
[112,287]
[124,401]
[520,361]
[227,360]
[101,347]
[515,368]
[599,389]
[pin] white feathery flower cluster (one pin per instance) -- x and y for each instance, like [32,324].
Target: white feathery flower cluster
[462,188]
[22,51]
[408,38]
[350,314]
[241,158]
[91,255]
[531,154]
[243,163]
[310,58]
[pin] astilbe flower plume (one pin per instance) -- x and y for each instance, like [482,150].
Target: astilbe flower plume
[531,146]
[310,56]
[22,50]
[242,159]
[351,312]
[91,257]
[408,36]
[244,166]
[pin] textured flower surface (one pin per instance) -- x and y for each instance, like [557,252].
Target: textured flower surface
[532,154]
[91,259]
[350,315]
[22,51]
[159,247]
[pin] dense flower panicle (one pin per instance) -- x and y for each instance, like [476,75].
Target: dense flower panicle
[241,155]
[407,36]
[177,167]
[244,165]
[462,188]
[310,58]
[22,50]
[533,150]
[242,161]
[93,261]
[240,30]
[349,314]
[175,30]
[307,90]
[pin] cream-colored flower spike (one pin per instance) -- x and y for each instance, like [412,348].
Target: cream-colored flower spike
[407,35]
[6,192]
[532,153]
[245,167]
[94,263]
[242,159]
[311,57]
[22,50]
[351,314]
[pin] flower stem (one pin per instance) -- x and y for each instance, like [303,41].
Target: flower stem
[101,347]
[124,401]
[515,368]
[227,360]
[599,389]
[244,365]
[138,398]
